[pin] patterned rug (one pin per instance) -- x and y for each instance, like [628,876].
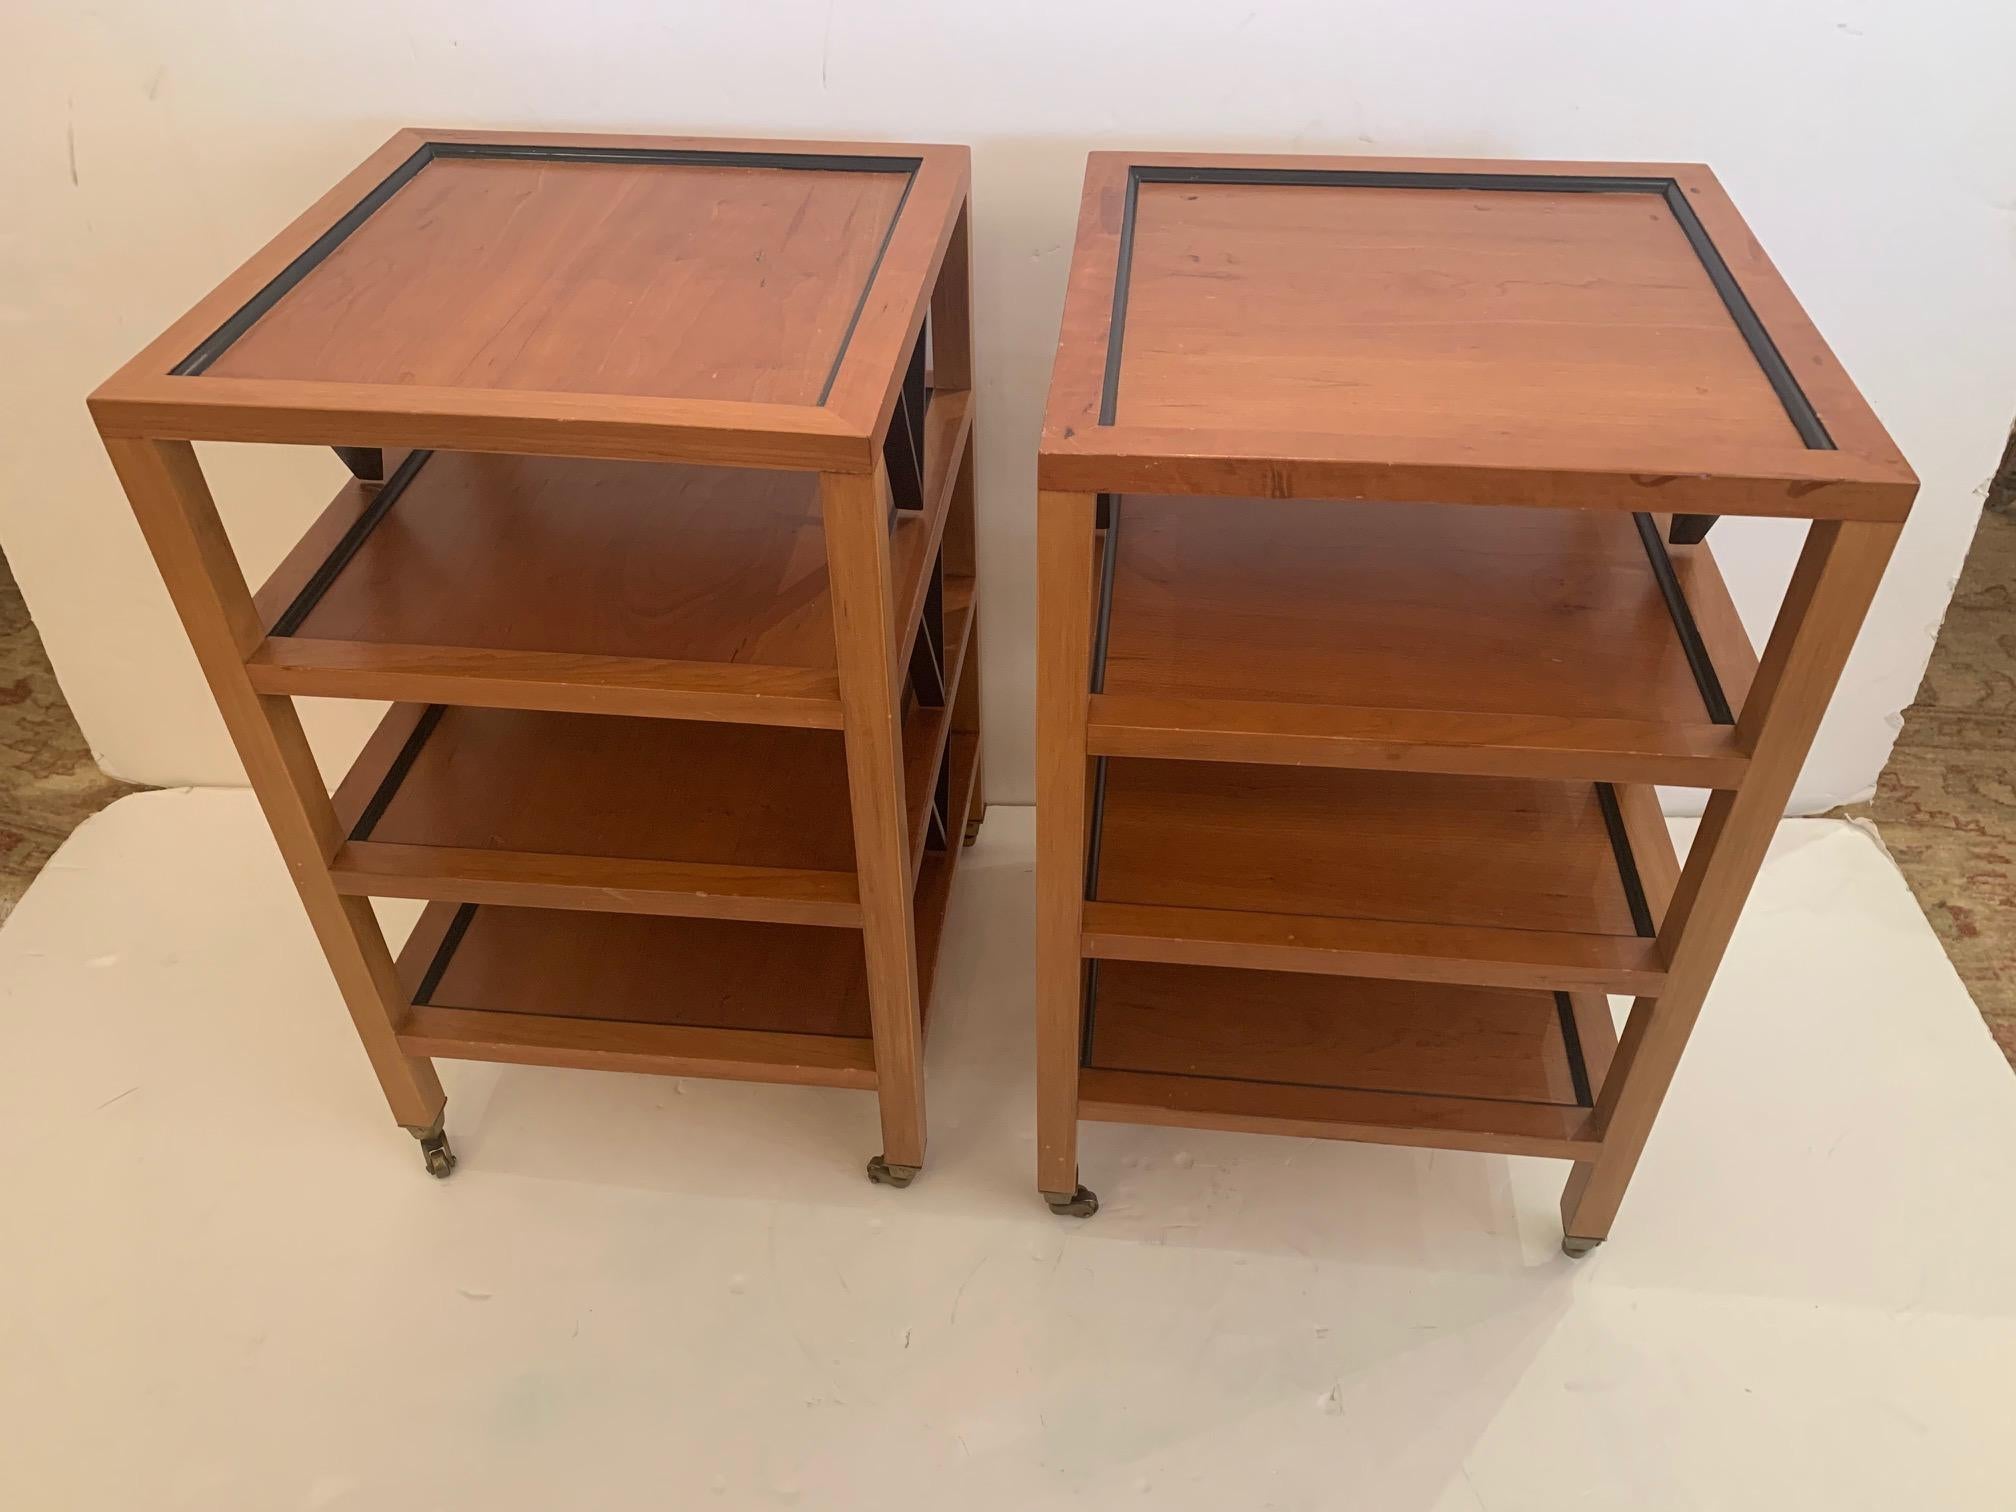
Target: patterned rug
[48,782]
[1946,804]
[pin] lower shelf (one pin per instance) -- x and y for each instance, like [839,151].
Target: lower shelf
[1494,1069]
[538,809]
[679,996]
[638,992]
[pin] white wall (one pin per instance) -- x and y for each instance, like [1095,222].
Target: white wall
[149,147]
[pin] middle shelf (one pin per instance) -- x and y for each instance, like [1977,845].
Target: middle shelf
[634,894]
[1482,881]
[626,814]
[661,589]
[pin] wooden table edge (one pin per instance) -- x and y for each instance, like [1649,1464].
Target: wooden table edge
[144,399]
[1863,477]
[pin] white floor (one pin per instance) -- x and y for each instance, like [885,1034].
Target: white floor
[225,1281]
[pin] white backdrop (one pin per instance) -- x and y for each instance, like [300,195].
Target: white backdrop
[150,147]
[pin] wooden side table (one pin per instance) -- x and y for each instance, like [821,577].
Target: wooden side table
[1375,597]
[660,544]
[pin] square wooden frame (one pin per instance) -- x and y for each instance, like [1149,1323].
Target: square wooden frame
[153,396]
[1846,468]
[1840,471]
[881,597]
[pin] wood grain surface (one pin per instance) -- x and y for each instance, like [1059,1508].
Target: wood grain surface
[1343,1032]
[1431,343]
[1458,608]
[1461,316]
[1488,852]
[714,973]
[743,314]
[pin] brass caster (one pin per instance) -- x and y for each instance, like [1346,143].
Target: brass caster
[1575,1248]
[434,1146]
[434,1150]
[882,1173]
[1079,1204]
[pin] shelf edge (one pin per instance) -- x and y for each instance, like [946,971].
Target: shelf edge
[1458,955]
[525,879]
[531,1039]
[802,697]
[1393,1118]
[1409,740]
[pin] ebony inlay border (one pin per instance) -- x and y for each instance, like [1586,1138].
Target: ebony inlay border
[319,582]
[248,314]
[1699,662]
[1627,862]
[1108,521]
[1798,408]
[443,954]
[395,774]
[1578,1060]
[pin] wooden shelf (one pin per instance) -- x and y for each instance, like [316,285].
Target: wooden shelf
[603,812]
[1438,638]
[677,996]
[1348,1058]
[609,991]
[1508,882]
[594,587]
[649,298]
[1583,335]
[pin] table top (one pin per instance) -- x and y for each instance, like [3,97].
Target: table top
[744,301]
[1589,334]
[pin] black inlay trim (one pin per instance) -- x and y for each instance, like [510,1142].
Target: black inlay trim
[1109,506]
[1275,1081]
[332,566]
[1763,350]
[438,967]
[1101,630]
[248,314]
[1698,660]
[395,774]
[938,835]
[903,442]
[1571,1041]
[1102,627]
[868,283]
[1088,1007]
[1798,408]
[928,671]
[1627,863]
[678,157]
[1096,828]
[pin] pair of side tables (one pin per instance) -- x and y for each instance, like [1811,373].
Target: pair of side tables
[1375,598]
